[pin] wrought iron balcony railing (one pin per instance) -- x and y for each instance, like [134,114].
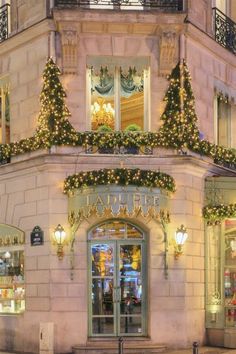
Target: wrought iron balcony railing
[225,30]
[4,22]
[161,5]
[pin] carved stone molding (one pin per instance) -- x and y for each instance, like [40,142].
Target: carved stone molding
[69,45]
[169,51]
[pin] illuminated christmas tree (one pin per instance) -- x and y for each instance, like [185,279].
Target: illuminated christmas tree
[54,128]
[180,120]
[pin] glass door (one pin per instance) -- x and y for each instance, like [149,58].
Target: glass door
[116,288]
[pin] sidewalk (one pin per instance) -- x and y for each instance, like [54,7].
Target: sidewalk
[203,350]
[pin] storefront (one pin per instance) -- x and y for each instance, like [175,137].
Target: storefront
[220,261]
[122,222]
[12,282]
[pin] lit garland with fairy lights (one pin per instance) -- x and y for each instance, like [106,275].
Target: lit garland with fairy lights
[214,214]
[120,176]
[179,129]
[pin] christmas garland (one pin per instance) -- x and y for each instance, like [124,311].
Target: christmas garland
[120,176]
[219,154]
[214,214]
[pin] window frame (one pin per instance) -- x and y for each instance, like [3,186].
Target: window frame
[117,96]
[230,111]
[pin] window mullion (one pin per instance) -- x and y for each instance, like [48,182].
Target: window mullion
[117,98]
[146,90]
[88,97]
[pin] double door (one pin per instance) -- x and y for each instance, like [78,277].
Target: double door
[117,289]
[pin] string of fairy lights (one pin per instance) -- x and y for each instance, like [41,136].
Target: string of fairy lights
[214,214]
[119,176]
[179,130]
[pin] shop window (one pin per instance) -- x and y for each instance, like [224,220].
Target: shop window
[118,93]
[225,122]
[12,289]
[4,114]
[221,275]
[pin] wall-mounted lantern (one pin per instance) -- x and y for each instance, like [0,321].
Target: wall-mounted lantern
[59,238]
[180,238]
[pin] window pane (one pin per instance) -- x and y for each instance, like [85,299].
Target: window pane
[223,123]
[102,98]
[102,297]
[131,324]
[103,325]
[102,260]
[7,118]
[132,97]
[1,100]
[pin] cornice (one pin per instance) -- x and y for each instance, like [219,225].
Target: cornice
[105,21]
[66,158]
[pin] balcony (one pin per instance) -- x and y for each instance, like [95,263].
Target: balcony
[225,30]
[160,5]
[4,22]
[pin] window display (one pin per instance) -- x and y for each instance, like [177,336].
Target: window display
[12,289]
[221,275]
[230,273]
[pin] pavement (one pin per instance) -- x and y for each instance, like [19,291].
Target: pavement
[202,350]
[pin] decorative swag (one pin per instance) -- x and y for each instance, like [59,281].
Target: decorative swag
[103,83]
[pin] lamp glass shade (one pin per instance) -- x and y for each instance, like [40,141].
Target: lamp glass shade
[59,235]
[233,245]
[181,236]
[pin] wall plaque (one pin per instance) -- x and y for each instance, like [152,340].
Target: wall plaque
[36,236]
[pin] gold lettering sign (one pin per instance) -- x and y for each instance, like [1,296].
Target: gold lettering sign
[117,198]
[11,236]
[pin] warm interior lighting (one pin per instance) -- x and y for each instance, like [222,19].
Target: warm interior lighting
[59,238]
[233,245]
[102,114]
[180,238]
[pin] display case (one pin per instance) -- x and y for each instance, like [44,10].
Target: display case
[12,289]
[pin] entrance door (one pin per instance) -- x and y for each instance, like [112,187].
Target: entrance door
[117,289]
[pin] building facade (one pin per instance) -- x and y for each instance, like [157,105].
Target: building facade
[121,273]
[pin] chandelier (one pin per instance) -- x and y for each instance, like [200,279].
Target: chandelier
[102,114]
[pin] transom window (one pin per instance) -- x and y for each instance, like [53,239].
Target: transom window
[116,229]
[118,93]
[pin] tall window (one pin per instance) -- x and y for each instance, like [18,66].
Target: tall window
[222,5]
[4,114]
[225,122]
[118,93]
